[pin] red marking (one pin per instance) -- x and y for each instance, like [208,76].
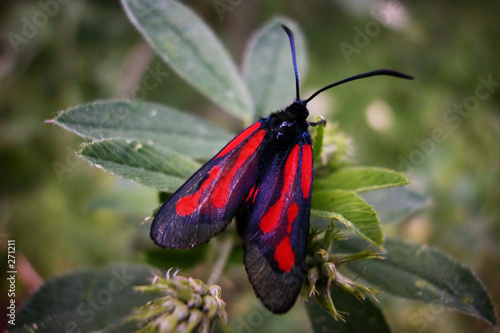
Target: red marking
[220,194]
[307,159]
[270,221]
[255,195]
[293,211]
[238,139]
[188,204]
[253,192]
[284,255]
[250,193]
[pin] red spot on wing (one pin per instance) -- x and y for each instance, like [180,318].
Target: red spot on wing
[307,160]
[250,193]
[253,192]
[239,139]
[283,253]
[255,195]
[271,219]
[293,211]
[284,256]
[188,204]
[220,194]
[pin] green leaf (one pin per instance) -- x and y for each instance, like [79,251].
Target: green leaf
[317,133]
[360,179]
[362,316]
[95,300]
[421,273]
[146,122]
[268,65]
[350,210]
[145,164]
[190,47]
[395,204]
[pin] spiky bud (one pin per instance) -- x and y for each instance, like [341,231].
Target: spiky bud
[183,305]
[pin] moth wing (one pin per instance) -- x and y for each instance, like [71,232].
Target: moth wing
[275,226]
[205,204]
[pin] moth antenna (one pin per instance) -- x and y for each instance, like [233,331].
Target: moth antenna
[294,59]
[387,72]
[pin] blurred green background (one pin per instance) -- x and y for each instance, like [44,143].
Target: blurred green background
[442,130]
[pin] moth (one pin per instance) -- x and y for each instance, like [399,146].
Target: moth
[263,178]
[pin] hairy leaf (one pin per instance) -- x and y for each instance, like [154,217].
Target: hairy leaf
[350,210]
[146,122]
[139,162]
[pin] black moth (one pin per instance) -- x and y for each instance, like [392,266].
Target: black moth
[263,177]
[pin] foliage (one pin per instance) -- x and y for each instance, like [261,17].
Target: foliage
[87,300]
[125,139]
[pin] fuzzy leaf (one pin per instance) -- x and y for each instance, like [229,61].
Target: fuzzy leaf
[350,210]
[95,300]
[146,122]
[268,65]
[145,164]
[360,179]
[191,48]
[421,273]
[361,316]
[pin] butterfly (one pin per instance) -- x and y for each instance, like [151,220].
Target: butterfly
[263,178]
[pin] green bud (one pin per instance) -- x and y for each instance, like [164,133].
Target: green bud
[328,270]
[321,255]
[183,305]
[194,320]
[323,270]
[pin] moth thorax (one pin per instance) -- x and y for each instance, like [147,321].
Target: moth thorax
[297,111]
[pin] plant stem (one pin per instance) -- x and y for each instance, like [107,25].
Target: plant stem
[225,250]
